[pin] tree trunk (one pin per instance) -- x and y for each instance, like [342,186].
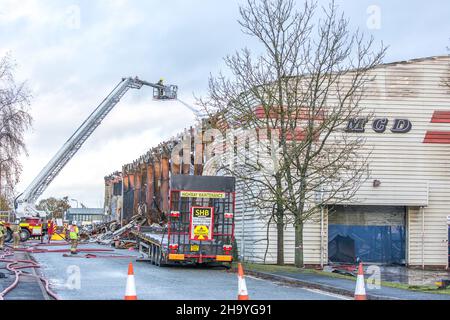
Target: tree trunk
[299,261]
[280,241]
[279,214]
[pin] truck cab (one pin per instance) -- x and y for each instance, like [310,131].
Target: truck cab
[30,228]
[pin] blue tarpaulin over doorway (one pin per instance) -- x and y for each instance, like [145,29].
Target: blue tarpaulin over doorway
[373,234]
[378,244]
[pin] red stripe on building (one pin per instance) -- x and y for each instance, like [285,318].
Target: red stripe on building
[299,134]
[442,137]
[299,113]
[441,117]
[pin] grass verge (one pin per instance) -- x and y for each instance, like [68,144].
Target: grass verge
[292,269]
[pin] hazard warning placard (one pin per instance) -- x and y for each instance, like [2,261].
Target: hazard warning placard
[202,223]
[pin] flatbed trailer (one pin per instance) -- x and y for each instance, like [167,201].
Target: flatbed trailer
[200,226]
[152,247]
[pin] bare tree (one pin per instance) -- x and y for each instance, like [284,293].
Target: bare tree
[295,99]
[14,121]
[55,208]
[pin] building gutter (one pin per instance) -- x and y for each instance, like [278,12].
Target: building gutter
[423,237]
[321,236]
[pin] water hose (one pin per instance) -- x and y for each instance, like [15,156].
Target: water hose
[13,265]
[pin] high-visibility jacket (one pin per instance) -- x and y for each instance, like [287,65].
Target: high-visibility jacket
[2,230]
[16,229]
[73,232]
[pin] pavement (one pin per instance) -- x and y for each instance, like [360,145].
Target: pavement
[102,278]
[28,288]
[412,277]
[105,279]
[347,287]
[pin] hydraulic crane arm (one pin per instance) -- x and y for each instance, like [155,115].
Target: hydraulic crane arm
[25,202]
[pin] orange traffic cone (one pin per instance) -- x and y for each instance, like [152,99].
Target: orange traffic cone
[130,292]
[360,291]
[242,286]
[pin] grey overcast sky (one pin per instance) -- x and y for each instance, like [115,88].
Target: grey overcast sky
[72,53]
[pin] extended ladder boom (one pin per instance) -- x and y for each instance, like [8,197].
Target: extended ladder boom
[25,202]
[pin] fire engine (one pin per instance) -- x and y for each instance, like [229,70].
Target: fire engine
[30,228]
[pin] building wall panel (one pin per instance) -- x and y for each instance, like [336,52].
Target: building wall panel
[412,173]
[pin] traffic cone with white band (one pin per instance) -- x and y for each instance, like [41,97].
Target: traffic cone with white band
[130,292]
[360,291]
[242,286]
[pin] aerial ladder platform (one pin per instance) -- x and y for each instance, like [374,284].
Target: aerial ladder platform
[25,203]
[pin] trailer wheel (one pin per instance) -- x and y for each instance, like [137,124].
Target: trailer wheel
[162,262]
[158,257]
[8,236]
[154,254]
[24,235]
[150,253]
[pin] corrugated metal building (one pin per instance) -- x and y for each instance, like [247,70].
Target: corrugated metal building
[400,215]
[86,215]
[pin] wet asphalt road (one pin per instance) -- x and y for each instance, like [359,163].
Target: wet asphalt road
[105,279]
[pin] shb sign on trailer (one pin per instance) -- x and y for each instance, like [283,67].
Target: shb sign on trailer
[202,223]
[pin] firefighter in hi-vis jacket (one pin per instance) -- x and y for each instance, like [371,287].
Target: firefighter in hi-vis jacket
[15,228]
[73,235]
[3,232]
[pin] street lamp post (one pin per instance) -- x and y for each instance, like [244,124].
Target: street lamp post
[76,202]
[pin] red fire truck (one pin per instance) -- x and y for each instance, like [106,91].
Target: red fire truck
[30,227]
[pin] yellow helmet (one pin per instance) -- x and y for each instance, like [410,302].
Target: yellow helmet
[2,223]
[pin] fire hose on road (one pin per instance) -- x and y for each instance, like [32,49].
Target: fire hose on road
[38,250]
[93,256]
[14,266]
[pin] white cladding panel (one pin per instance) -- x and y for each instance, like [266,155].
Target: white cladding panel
[412,173]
